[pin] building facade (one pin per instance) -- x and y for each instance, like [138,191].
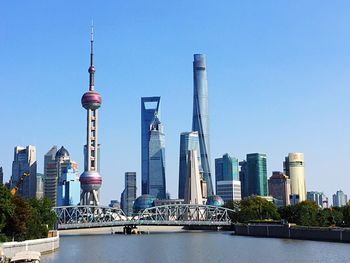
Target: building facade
[227,181]
[39,186]
[156,161]
[114,204]
[56,164]
[340,199]
[279,188]
[294,169]
[319,198]
[200,121]
[188,141]
[229,190]
[243,177]
[24,162]
[149,107]
[257,174]
[128,196]
[1,176]
[68,189]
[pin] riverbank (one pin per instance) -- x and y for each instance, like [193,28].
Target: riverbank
[294,232]
[42,245]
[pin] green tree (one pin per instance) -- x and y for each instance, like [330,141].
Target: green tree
[305,213]
[6,210]
[288,213]
[16,226]
[337,216]
[256,208]
[233,205]
[346,214]
[41,220]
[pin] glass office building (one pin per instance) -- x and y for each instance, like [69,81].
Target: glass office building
[188,141]
[156,162]
[340,199]
[227,181]
[200,121]
[129,194]
[24,162]
[257,174]
[226,168]
[149,107]
[68,187]
[243,177]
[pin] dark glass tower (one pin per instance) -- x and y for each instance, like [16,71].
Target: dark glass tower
[129,194]
[200,121]
[257,174]
[149,107]
[156,162]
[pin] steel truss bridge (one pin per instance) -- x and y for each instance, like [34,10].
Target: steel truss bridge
[75,217]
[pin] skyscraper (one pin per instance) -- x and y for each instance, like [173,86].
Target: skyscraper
[24,162]
[294,169]
[1,176]
[39,186]
[243,177]
[318,197]
[149,107]
[257,174]
[55,165]
[279,188]
[156,163]
[200,121]
[68,188]
[50,175]
[227,181]
[188,141]
[340,199]
[129,194]
[91,180]
[226,168]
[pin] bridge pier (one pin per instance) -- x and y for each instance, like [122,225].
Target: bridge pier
[131,229]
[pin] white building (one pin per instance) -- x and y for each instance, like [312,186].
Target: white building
[294,169]
[229,190]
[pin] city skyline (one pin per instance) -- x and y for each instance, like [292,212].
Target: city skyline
[295,84]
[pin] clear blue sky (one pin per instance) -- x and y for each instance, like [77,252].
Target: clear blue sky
[278,76]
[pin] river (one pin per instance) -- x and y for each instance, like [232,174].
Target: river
[194,247]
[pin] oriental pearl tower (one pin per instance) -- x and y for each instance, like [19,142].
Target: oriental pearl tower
[90,179]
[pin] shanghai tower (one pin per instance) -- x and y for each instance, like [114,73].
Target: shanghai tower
[90,179]
[200,121]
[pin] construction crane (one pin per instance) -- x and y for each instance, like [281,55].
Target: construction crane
[18,184]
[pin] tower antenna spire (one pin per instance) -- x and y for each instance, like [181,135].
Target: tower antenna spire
[92,67]
[92,44]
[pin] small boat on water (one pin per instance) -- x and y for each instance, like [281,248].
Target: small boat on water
[26,256]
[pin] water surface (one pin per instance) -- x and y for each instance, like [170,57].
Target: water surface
[194,247]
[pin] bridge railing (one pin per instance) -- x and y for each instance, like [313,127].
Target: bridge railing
[88,214]
[177,214]
[185,213]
